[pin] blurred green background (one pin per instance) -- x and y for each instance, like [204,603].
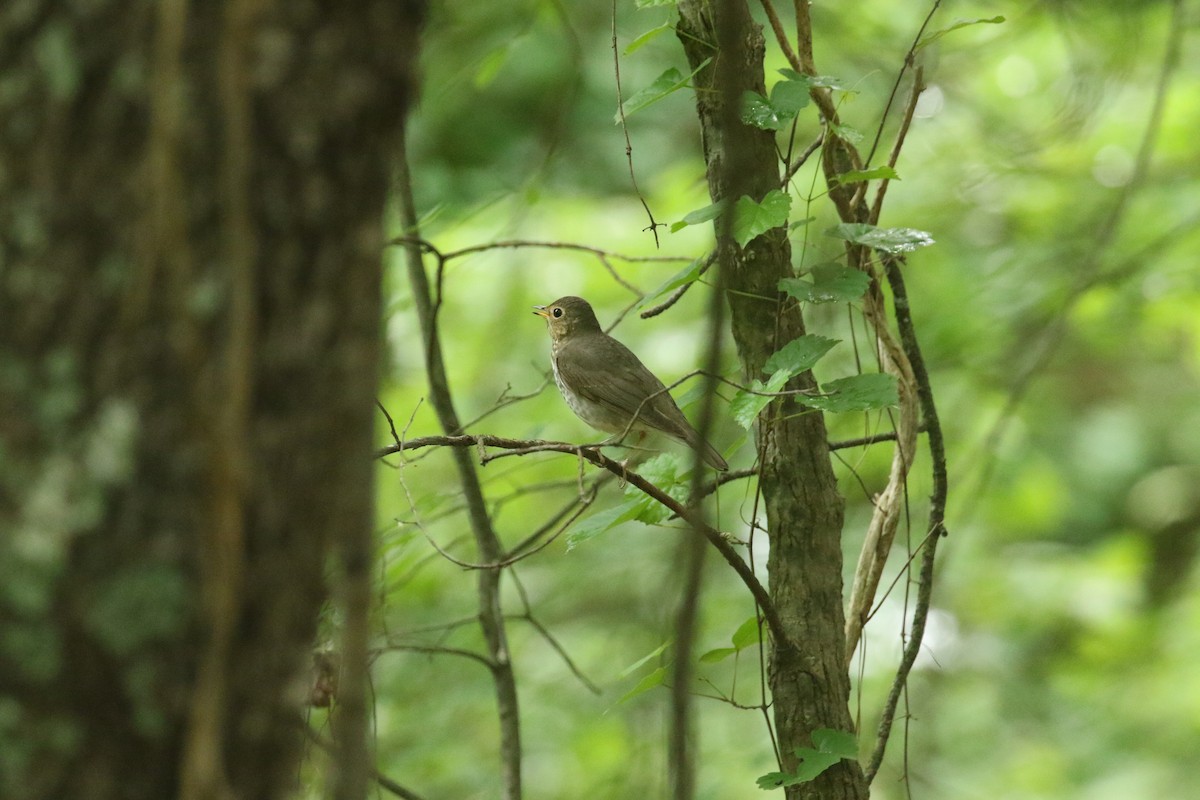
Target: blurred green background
[1059,312]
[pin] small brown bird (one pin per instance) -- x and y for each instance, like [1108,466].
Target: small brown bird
[606,385]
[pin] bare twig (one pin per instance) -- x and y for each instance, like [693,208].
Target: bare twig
[592,454]
[383,781]
[937,512]
[491,617]
[674,296]
[906,122]
[909,59]
[654,226]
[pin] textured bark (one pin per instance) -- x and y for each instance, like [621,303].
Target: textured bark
[190,207]
[808,678]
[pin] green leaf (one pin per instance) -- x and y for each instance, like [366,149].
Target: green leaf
[654,3]
[859,175]
[648,682]
[641,662]
[856,393]
[889,240]
[787,98]
[824,81]
[664,471]
[719,654]
[830,283]
[751,219]
[709,212]
[799,354]
[962,23]
[686,275]
[837,743]
[831,747]
[646,38]
[746,406]
[846,133]
[758,112]
[670,81]
[747,634]
[601,521]
[491,65]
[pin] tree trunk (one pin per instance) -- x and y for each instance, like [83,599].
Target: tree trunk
[191,198]
[809,683]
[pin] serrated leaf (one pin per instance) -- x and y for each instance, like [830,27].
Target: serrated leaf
[747,634]
[647,683]
[889,240]
[962,23]
[858,175]
[686,275]
[789,96]
[846,133]
[751,219]
[663,471]
[824,81]
[838,743]
[799,354]
[719,654]
[856,393]
[828,283]
[831,747]
[758,112]
[746,406]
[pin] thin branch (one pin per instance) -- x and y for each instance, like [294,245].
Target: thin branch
[781,38]
[491,615]
[937,510]
[592,454]
[909,58]
[909,109]
[383,781]
[654,226]
[550,638]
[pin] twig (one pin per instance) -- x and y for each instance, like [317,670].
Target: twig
[905,123]
[491,615]
[909,57]
[549,637]
[383,781]
[654,226]
[937,510]
[592,453]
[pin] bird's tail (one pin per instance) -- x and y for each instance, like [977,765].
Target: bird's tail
[706,450]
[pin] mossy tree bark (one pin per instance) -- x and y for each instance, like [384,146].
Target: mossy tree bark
[191,197]
[809,682]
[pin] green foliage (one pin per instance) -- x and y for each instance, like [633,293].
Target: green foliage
[889,240]
[799,355]
[877,173]
[664,472]
[752,219]
[829,283]
[855,393]
[748,634]
[669,82]
[829,747]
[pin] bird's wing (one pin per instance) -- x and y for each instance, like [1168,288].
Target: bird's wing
[626,386]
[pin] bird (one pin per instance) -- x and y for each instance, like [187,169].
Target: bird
[606,385]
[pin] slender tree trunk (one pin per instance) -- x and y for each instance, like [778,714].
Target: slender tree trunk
[809,683]
[190,209]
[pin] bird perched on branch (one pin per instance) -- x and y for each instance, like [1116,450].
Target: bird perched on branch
[606,385]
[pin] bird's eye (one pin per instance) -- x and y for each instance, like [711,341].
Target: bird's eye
[557,312]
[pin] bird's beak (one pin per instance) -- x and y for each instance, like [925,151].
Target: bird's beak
[541,312]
